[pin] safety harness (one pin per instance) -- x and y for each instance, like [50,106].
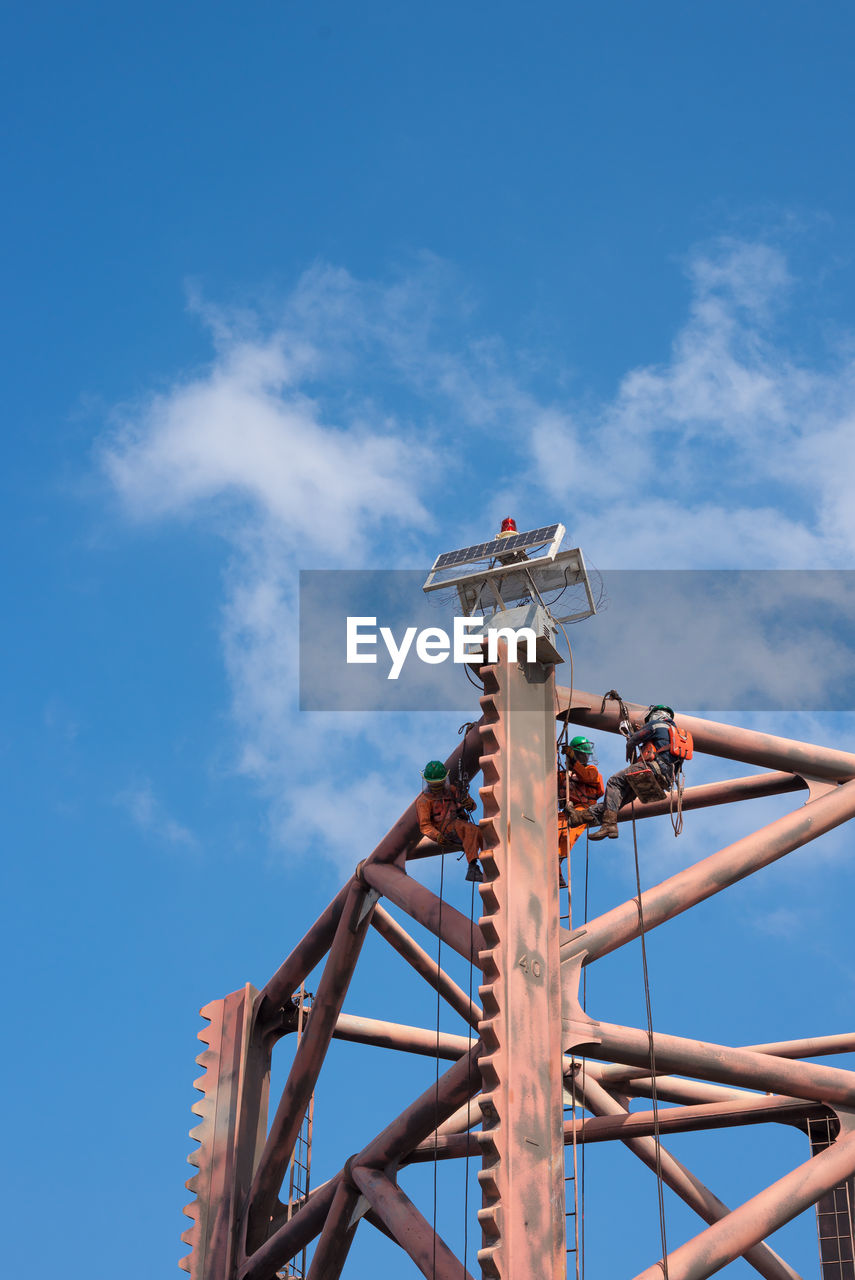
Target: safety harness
[646,776]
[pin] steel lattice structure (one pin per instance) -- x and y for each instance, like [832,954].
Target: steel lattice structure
[531,1035]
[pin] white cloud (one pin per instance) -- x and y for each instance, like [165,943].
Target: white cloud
[346,429]
[147,812]
[728,454]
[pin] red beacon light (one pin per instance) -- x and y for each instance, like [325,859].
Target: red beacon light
[509,526]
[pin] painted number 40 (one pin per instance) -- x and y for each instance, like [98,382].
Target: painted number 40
[530,966]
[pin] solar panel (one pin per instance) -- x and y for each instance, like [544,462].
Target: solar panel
[496,547]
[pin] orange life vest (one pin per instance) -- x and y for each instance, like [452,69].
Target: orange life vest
[679,744]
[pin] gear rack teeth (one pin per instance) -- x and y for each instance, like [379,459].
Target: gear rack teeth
[491,1008]
[228,1141]
[490,1219]
[203,1133]
[488,1260]
[515,767]
[490,904]
[490,1137]
[489,1075]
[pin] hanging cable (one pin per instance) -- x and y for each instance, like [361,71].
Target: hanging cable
[584,1073]
[436,1086]
[653,1091]
[575,1146]
[468,1085]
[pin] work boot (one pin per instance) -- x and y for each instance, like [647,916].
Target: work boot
[581,817]
[608,828]
[474,872]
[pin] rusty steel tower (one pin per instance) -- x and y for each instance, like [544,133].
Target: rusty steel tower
[529,1044]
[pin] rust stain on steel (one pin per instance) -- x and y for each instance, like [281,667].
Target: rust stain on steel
[522,1176]
[217,1184]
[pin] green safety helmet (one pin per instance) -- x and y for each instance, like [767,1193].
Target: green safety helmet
[659,706]
[434,771]
[583,745]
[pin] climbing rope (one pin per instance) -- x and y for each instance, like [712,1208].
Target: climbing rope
[676,803]
[653,1091]
[614,696]
[565,728]
[462,775]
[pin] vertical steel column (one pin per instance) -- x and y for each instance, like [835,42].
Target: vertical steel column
[228,1135]
[522,1144]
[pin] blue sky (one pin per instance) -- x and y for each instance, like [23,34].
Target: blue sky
[293,286]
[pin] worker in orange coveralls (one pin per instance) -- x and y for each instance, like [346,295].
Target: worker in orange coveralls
[580,785]
[442,814]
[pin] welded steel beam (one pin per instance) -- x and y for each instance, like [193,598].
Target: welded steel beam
[311,949]
[669,1088]
[676,1176]
[396,1035]
[337,1236]
[440,918]
[754,787]
[293,1236]
[764,1109]
[412,1231]
[809,1080]
[391,1146]
[394,933]
[726,741]
[436,1104]
[709,876]
[308,1060]
[522,1175]
[810,1047]
[764,1213]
